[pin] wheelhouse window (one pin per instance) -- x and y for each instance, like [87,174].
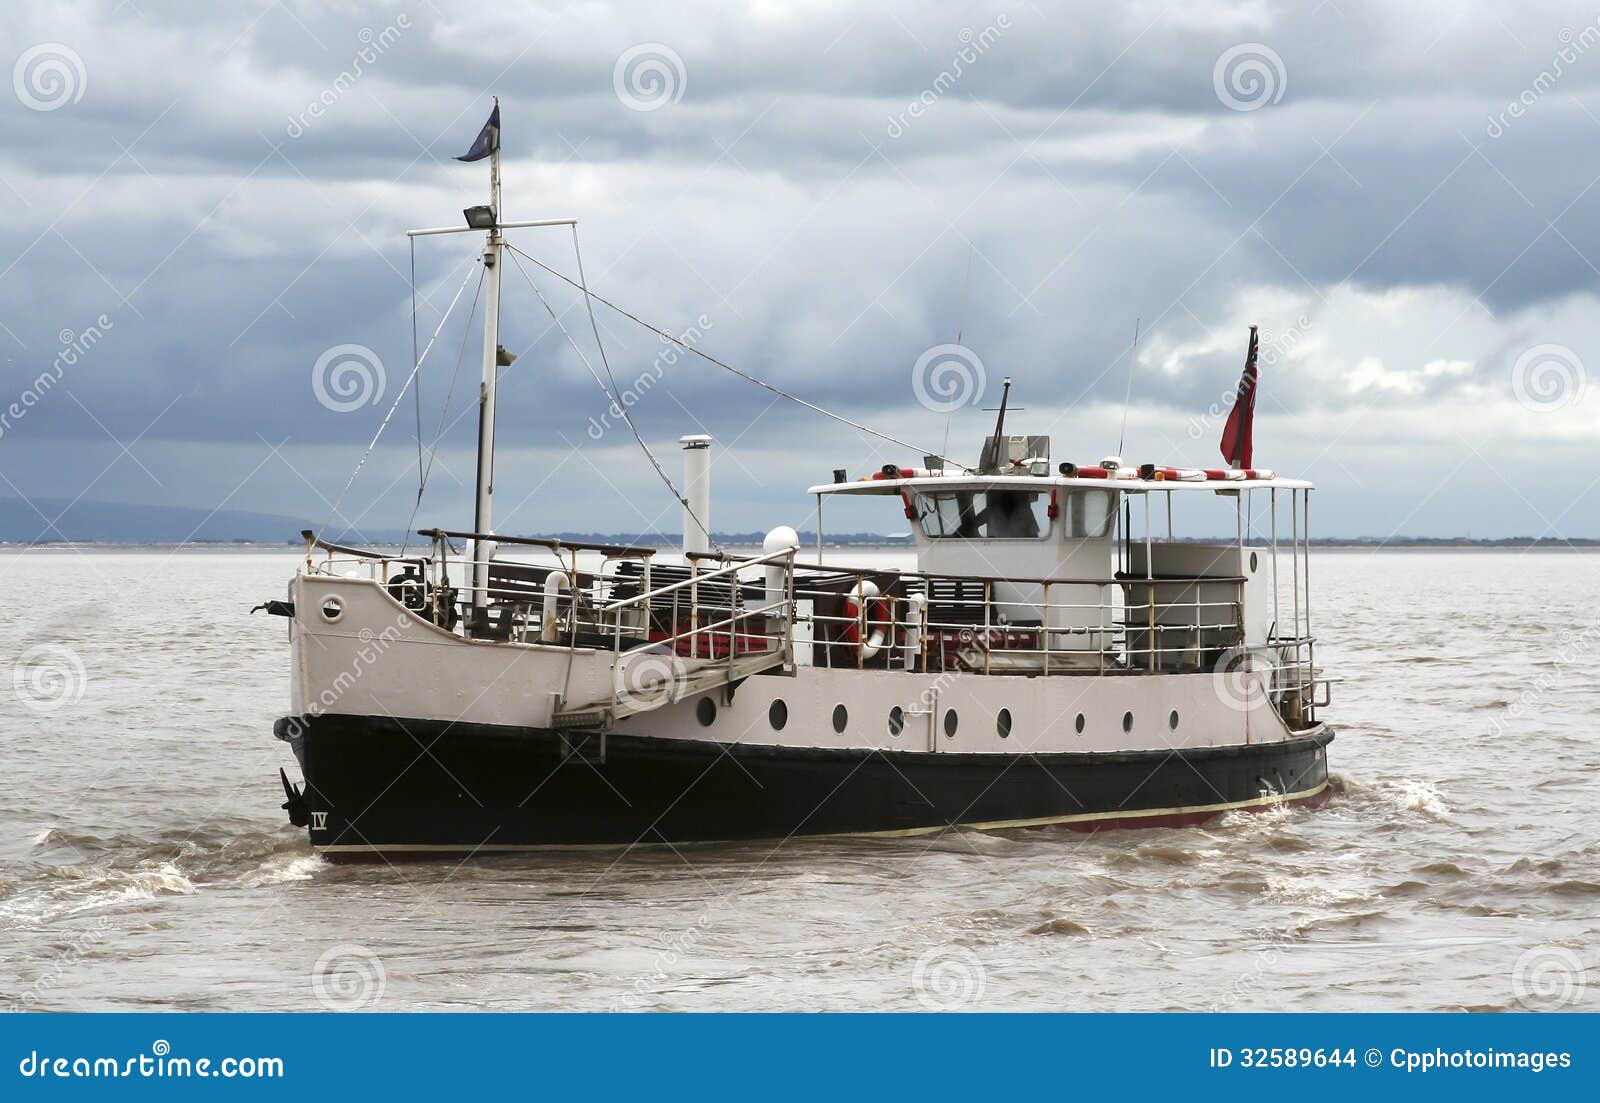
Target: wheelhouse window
[992,514]
[1090,514]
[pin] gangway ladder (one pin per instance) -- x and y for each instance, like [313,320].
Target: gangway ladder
[684,676]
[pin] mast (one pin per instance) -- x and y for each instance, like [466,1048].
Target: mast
[483,516]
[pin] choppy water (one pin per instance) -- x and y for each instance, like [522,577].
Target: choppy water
[144,863]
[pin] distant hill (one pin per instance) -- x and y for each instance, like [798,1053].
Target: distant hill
[113,523]
[90,522]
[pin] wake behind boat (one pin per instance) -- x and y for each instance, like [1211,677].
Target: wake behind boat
[1052,659]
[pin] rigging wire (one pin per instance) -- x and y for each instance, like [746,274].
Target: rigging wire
[444,412]
[961,329]
[614,400]
[334,509]
[1127,398]
[746,376]
[417,394]
[588,302]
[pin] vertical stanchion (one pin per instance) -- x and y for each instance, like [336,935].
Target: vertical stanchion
[1150,586]
[694,608]
[1277,629]
[1311,644]
[988,601]
[1044,628]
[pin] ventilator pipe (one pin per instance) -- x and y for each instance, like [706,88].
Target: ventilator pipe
[782,538]
[554,583]
[696,492]
[916,613]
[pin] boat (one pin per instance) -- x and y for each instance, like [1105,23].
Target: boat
[1059,656]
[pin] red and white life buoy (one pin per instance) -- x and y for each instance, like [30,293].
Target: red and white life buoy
[876,619]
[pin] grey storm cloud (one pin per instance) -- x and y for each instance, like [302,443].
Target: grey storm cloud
[230,188]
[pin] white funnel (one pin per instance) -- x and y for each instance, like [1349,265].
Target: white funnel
[697,491]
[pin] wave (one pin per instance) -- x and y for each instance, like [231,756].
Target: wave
[1313,890]
[1061,926]
[1401,794]
[64,892]
[74,872]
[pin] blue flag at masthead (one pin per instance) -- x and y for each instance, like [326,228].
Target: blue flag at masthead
[488,139]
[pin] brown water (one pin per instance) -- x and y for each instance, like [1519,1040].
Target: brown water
[145,864]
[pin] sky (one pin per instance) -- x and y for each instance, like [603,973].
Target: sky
[206,288]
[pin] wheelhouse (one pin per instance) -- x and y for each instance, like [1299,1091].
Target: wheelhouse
[1080,570]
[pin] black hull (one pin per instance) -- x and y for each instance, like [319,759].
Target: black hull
[378,788]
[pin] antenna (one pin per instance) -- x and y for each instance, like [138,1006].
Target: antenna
[1133,358]
[961,329]
[993,458]
[966,288]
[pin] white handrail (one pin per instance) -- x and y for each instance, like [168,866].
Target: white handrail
[696,579]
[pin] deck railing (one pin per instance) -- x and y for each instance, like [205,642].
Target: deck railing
[719,608]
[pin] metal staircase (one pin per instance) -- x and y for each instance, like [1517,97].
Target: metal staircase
[696,679]
[750,639]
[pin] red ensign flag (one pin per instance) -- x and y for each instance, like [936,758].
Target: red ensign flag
[1238,442]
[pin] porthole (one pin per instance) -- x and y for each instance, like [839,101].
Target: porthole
[897,721]
[705,711]
[1079,724]
[1254,562]
[841,718]
[1127,721]
[332,609]
[777,714]
[1172,720]
[1002,724]
[950,722]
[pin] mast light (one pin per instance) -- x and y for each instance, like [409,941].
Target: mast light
[479,218]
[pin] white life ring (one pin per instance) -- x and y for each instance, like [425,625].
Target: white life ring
[876,619]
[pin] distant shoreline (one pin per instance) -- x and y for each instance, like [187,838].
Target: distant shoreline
[242,546]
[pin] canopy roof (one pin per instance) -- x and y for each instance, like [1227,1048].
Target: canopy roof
[1125,480]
